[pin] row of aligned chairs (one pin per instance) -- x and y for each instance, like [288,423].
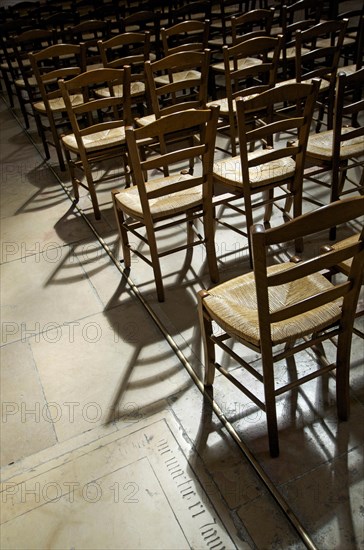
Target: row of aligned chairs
[292,302]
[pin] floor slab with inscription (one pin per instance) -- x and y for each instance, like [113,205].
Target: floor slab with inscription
[135,485]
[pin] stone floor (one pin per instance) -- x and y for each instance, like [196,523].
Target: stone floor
[106,440]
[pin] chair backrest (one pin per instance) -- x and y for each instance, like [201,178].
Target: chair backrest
[302,14]
[318,49]
[142,21]
[348,125]
[246,78]
[22,44]
[88,33]
[270,123]
[53,63]
[178,94]
[199,10]
[221,15]
[302,300]
[97,114]
[130,48]
[186,36]
[251,24]
[201,123]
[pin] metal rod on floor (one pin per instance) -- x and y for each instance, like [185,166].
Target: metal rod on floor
[287,510]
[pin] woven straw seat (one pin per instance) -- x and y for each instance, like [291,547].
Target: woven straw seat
[136,89]
[177,77]
[20,82]
[324,84]
[346,265]
[145,120]
[320,145]
[235,301]
[286,308]
[57,104]
[229,170]
[157,204]
[240,64]
[129,200]
[96,141]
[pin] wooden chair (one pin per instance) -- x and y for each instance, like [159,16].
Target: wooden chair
[281,309]
[317,56]
[133,49]
[8,30]
[359,53]
[349,49]
[251,24]
[221,15]
[338,150]
[141,21]
[163,202]
[87,34]
[48,66]
[301,15]
[344,268]
[187,35]
[98,125]
[17,50]
[261,168]
[247,71]
[170,94]
[198,10]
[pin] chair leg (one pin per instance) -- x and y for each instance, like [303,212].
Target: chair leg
[269,206]
[342,374]
[120,220]
[71,168]
[209,347]
[57,143]
[209,223]
[155,262]
[41,133]
[270,403]
[91,188]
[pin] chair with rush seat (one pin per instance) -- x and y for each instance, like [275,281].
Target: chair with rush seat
[261,168]
[282,309]
[98,125]
[49,65]
[163,202]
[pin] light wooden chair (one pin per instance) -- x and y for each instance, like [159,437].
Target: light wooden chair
[133,49]
[247,71]
[341,149]
[344,267]
[98,125]
[260,169]
[164,202]
[17,49]
[190,35]
[49,65]
[251,24]
[281,309]
[169,95]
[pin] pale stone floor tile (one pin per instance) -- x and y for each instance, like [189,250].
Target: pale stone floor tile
[108,366]
[42,292]
[138,483]
[25,424]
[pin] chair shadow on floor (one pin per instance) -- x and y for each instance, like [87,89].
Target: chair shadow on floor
[152,374]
